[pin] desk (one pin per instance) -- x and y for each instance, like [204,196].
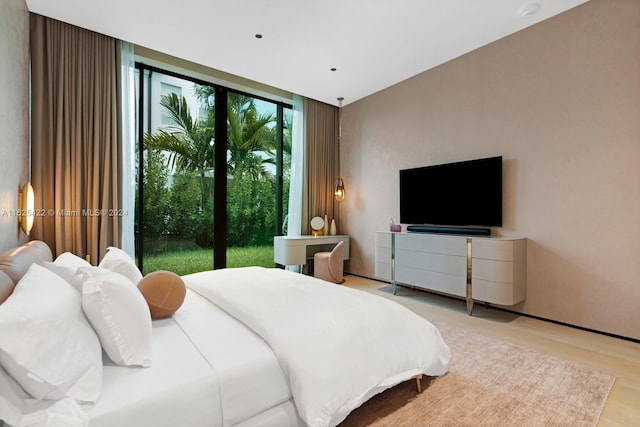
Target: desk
[294,250]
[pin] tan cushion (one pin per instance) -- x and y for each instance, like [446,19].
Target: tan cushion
[6,286]
[164,292]
[15,262]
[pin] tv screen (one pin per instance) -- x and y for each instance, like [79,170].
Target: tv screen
[467,193]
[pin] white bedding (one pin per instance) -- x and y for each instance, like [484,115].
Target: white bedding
[208,370]
[250,378]
[179,388]
[274,349]
[338,346]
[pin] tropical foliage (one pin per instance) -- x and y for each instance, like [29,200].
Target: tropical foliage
[179,166]
[188,143]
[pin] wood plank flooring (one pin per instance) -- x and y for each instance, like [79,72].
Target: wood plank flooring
[617,357]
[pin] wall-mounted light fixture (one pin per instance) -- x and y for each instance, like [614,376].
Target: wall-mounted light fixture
[339,191]
[26,208]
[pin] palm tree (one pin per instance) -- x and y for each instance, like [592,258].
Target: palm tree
[251,144]
[248,136]
[188,142]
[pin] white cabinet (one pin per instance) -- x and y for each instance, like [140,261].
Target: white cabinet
[498,270]
[487,269]
[438,262]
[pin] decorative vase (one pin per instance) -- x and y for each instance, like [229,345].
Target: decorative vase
[333,227]
[326,226]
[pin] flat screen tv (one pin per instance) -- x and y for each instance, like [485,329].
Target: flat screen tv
[467,193]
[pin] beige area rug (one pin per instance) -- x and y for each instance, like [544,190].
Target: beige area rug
[492,383]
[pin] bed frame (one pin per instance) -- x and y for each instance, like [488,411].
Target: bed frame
[15,262]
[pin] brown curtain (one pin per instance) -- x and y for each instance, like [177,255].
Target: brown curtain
[75,137]
[323,162]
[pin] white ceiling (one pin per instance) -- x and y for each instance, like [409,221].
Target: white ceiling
[372,44]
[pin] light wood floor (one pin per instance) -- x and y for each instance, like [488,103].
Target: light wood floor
[617,357]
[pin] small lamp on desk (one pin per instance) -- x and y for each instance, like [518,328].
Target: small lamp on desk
[317,225]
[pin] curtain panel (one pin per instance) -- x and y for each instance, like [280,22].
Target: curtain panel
[128,116]
[298,172]
[75,138]
[323,162]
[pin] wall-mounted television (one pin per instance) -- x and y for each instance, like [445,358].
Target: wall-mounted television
[466,193]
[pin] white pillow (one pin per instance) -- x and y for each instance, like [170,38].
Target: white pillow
[18,409]
[66,265]
[71,261]
[119,314]
[46,344]
[69,274]
[119,261]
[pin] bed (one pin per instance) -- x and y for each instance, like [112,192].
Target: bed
[248,347]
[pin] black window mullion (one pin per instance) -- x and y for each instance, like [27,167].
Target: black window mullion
[220,181]
[139,201]
[279,170]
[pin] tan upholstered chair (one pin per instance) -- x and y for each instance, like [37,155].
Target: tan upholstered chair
[329,265]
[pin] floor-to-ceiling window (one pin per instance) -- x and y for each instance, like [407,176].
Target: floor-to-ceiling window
[258,176]
[213,174]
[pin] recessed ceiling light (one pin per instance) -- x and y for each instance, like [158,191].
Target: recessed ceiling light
[258,36]
[334,69]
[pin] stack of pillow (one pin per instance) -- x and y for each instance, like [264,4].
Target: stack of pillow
[59,319]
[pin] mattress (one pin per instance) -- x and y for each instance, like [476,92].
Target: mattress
[208,370]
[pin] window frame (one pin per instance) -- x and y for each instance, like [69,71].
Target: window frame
[220,161]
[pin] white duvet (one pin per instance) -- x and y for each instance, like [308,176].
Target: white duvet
[338,346]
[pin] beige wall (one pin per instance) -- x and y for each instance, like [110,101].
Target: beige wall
[14,85]
[561,102]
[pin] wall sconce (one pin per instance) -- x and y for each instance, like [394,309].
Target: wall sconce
[339,192]
[26,208]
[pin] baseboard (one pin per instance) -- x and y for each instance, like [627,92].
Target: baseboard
[494,307]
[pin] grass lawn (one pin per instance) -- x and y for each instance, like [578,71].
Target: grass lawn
[194,260]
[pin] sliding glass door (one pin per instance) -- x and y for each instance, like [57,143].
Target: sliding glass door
[175,182]
[257,181]
[213,175]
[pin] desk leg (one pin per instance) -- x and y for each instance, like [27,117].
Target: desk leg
[295,268]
